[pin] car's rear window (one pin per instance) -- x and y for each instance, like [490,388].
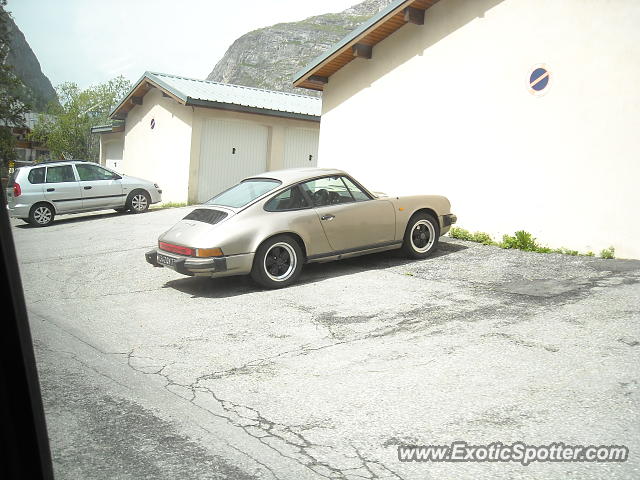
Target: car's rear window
[12,178]
[36,175]
[244,192]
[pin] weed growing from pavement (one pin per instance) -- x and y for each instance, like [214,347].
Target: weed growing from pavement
[521,240]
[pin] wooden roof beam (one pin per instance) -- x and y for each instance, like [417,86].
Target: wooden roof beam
[360,50]
[318,80]
[414,15]
[136,100]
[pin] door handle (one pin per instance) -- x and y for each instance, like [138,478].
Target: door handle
[327,217]
[51,189]
[88,188]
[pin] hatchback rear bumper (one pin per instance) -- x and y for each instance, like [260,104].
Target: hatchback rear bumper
[19,210]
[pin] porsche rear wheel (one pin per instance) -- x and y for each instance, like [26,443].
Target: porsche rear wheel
[421,236]
[277,262]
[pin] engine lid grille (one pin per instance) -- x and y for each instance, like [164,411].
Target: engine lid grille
[207,215]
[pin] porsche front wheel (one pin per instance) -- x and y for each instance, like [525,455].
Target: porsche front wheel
[421,236]
[277,262]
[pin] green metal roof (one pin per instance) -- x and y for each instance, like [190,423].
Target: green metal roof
[204,93]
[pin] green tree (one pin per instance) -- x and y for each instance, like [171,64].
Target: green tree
[12,109]
[66,127]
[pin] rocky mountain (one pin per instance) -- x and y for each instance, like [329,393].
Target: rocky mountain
[269,57]
[27,68]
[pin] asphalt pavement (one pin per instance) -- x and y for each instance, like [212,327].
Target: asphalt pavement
[149,374]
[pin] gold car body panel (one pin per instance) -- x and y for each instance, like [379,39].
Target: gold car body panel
[356,228]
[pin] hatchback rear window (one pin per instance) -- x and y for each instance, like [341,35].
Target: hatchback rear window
[36,175]
[12,178]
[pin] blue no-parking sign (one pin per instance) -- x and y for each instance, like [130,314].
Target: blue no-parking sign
[539,80]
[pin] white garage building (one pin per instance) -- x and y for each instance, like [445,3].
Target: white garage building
[196,138]
[526,114]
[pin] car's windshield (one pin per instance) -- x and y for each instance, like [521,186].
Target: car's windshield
[244,193]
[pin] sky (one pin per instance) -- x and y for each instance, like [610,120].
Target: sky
[91,41]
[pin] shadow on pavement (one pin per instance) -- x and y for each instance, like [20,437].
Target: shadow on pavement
[202,287]
[86,217]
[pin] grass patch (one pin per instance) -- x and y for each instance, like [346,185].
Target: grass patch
[169,205]
[608,253]
[521,240]
[479,237]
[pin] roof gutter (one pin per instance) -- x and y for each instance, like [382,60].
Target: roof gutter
[241,108]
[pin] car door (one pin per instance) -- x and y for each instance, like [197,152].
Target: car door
[101,188]
[351,219]
[291,210]
[62,189]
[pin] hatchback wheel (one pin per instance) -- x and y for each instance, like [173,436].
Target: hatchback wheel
[421,236]
[138,201]
[277,262]
[41,215]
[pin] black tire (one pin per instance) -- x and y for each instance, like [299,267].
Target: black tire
[421,236]
[41,215]
[138,201]
[278,262]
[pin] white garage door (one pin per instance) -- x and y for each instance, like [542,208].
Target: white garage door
[230,151]
[301,147]
[113,154]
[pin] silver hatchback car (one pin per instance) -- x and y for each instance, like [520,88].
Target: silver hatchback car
[39,192]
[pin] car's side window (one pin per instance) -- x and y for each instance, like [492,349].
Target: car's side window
[36,175]
[327,191]
[356,192]
[93,172]
[290,199]
[60,174]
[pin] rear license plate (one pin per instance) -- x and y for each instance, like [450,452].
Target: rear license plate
[168,261]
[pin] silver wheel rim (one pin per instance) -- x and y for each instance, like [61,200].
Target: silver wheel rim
[280,262]
[42,215]
[139,202]
[423,236]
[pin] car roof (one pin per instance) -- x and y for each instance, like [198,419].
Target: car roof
[294,175]
[55,164]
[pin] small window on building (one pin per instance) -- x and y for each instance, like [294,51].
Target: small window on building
[290,199]
[60,174]
[36,175]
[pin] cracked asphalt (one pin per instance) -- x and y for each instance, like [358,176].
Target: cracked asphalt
[148,374]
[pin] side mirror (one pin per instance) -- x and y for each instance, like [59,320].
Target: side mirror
[117,177]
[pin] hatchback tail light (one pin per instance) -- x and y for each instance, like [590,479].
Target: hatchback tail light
[17,191]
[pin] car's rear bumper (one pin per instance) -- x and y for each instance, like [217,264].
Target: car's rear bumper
[206,267]
[19,210]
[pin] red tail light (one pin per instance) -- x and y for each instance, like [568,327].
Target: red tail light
[168,247]
[17,191]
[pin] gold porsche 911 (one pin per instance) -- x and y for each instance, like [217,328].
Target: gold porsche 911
[270,225]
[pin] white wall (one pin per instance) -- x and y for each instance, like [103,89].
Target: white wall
[161,154]
[445,108]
